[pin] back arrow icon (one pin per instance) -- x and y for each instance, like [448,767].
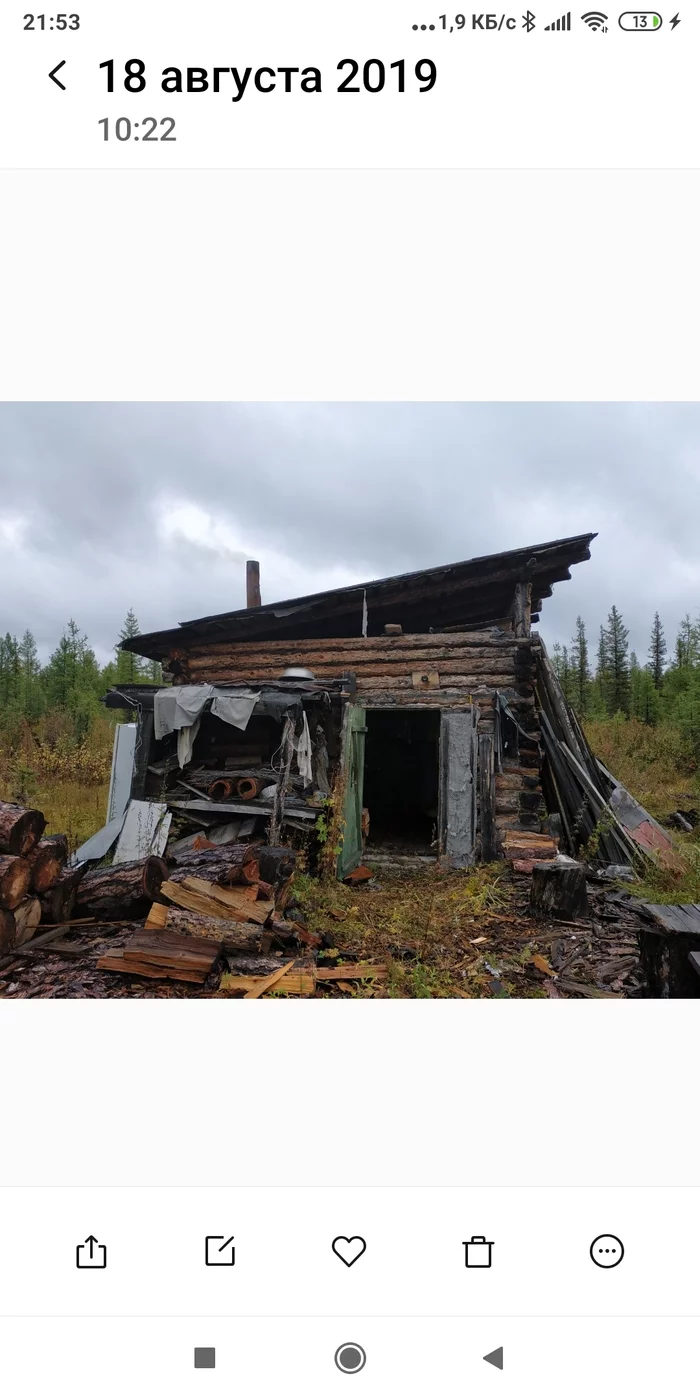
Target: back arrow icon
[53,77]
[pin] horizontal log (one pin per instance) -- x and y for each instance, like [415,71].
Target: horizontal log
[382,681]
[58,902]
[407,641]
[238,937]
[239,674]
[121,891]
[512,782]
[47,861]
[20,829]
[336,662]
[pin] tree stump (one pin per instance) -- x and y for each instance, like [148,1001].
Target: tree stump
[559,891]
[15,876]
[20,829]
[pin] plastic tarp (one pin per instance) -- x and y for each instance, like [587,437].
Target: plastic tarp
[180,708]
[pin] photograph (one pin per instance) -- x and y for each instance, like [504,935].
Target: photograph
[355,701]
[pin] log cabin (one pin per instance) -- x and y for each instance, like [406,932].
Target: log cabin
[407,711]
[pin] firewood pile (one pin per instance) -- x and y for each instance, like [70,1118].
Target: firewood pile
[35,882]
[205,914]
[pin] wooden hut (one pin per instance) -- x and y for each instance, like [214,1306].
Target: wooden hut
[412,706]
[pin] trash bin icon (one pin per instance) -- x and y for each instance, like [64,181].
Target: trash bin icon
[477,1252]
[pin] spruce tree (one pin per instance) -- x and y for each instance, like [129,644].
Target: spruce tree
[30,668]
[618,667]
[657,652]
[129,667]
[580,669]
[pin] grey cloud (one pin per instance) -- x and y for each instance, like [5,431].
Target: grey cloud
[328,493]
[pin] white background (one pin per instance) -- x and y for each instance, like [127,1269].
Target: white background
[355,285]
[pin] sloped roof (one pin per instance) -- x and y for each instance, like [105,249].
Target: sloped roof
[475,592]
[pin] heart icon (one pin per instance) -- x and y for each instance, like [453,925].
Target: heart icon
[349,1250]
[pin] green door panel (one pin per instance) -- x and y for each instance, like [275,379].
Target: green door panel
[353,761]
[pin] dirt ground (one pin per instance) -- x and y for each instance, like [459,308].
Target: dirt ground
[467,935]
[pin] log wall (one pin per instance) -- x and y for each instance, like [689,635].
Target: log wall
[443,671]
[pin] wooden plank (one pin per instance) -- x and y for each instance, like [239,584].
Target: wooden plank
[297,982]
[350,972]
[522,609]
[457,801]
[265,984]
[676,918]
[490,846]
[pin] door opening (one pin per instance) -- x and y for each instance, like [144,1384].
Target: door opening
[401,780]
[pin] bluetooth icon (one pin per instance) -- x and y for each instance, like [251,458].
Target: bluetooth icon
[529,21]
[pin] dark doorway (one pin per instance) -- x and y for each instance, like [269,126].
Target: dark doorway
[401,779]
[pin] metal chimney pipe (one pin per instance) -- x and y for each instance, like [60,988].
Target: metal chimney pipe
[252,583]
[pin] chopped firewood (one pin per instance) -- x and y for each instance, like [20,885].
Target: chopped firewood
[233,935]
[15,877]
[201,897]
[349,971]
[267,983]
[292,980]
[27,916]
[20,829]
[163,955]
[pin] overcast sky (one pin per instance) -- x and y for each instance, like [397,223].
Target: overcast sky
[156,507]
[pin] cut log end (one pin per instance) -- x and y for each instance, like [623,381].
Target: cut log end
[47,861]
[15,877]
[20,829]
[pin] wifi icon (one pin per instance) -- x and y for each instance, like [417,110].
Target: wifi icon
[595,20]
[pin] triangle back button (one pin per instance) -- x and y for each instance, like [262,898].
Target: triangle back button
[495,1358]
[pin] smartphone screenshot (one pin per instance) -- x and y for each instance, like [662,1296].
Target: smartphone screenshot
[349,668]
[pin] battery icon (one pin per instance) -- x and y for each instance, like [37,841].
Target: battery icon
[640,21]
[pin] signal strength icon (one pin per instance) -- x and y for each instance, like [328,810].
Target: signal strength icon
[595,20]
[563,23]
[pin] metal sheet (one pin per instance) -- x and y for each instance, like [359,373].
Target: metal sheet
[97,846]
[123,751]
[144,832]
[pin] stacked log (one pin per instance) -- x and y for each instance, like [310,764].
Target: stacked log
[20,829]
[34,882]
[58,902]
[222,865]
[15,878]
[123,891]
[27,918]
[8,930]
[47,861]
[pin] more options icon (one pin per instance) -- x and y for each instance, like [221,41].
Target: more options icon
[607,1251]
